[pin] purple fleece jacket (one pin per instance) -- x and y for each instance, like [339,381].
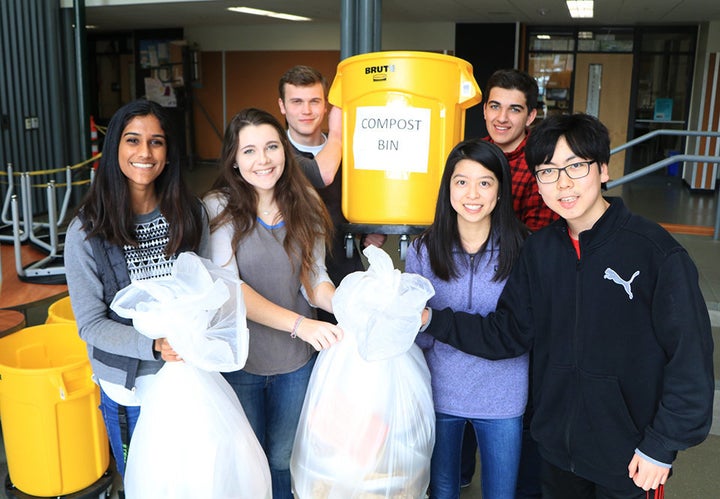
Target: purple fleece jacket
[462,384]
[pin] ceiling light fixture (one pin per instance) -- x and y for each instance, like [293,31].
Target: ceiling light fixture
[580,8]
[268,13]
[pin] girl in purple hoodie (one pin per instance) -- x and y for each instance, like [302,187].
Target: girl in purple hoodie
[467,254]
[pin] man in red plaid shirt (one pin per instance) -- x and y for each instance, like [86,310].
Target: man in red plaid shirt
[510,108]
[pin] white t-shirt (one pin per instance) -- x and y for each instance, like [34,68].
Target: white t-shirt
[314,150]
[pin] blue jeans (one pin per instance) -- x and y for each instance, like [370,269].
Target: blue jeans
[110,411]
[273,404]
[499,441]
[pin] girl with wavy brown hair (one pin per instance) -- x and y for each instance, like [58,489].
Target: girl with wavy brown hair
[270,226]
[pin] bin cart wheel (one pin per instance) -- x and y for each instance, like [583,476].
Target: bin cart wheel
[404,231]
[349,245]
[403,245]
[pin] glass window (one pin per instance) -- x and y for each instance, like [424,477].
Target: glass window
[661,71]
[552,42]
[553,73]
[664,70]
[604,41]
[663,76]
[667,42]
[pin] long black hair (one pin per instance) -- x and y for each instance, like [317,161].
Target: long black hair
[443,236]
[106,210]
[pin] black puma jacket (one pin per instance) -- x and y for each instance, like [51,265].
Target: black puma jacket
[621,339]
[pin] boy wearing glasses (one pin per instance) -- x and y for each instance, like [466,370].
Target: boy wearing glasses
[610,304]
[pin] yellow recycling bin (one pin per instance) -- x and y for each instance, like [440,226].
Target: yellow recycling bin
[60,311]
[402,114]
[54,434]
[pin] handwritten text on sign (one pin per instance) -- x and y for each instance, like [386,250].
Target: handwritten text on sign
[393,139]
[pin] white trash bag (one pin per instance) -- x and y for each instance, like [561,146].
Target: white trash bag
[199,309]
[192,438]
[367,427]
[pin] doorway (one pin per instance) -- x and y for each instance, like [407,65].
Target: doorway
[603,87]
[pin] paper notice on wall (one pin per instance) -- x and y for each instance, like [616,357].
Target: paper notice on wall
[162,93]
[394,139]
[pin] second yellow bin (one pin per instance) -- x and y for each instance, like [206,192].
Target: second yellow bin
[60,311]
[402,114]
[54,434]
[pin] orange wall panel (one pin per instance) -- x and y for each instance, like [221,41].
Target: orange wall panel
[251,81]
[207,106]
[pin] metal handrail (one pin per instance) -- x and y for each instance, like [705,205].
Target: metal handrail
[668,161]
[654,133]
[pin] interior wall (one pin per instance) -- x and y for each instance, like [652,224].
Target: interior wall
[252,59]
[704,175]
[701,54]
[297,36]
[488,47]
[251,80]
[300,36]
[208,112]
[708,42]
[713,44]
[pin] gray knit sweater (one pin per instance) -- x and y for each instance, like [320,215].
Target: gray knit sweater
[96,328]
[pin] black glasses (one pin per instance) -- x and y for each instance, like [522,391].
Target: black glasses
[574,171]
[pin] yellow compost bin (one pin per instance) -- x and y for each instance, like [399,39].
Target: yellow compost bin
[54,435]
[402,114]
[60,311]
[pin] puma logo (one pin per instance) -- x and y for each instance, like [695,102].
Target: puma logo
[614,277]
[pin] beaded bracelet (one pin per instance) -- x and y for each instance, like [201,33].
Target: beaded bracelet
[300,318]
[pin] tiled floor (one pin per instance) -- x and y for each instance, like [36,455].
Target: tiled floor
[665,200]
[668,200]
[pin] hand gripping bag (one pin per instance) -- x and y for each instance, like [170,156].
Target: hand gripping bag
[367,425]
[192,438]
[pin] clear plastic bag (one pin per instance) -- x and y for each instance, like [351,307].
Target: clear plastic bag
[199,308]
[367,427]
[192,438]
[382,306]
